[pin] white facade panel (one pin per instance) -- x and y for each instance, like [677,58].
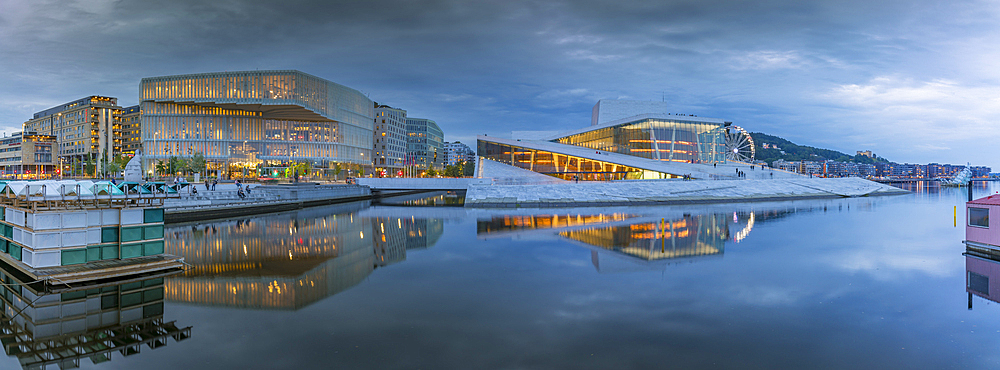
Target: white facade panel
[48,239]
[74,219]
[47,258]
[131,216]
[93,235]
[94,217]
[110,217]
[44,221]
[14,216]
[74,238]
[27,257]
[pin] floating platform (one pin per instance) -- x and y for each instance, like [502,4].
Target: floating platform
[65,232]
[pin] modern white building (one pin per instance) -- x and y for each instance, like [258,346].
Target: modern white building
[607,110]
[389,148]
[457,152]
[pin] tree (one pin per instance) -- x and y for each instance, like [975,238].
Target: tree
[453,170]
[90,167]
[431,172]
[468,168]
[161,168]
[337,170]
[198,163]
[112,169]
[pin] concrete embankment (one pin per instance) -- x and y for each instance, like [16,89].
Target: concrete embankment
[224,202]
[626,193]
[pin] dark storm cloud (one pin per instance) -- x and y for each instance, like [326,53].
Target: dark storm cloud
[845,75]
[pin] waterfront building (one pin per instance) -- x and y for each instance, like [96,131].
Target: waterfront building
[256,122]
[86,129]
[390,140]
[424,144]
[457,152]
[645,146]
[131,132]
[607,110]
[28,155]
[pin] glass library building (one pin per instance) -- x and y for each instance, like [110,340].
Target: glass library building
[256,123]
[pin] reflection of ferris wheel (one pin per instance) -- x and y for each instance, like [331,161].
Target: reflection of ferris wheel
[739,145]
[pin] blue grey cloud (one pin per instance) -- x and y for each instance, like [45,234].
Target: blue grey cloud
[912,81]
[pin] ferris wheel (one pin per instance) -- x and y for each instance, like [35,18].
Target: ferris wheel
[739,145]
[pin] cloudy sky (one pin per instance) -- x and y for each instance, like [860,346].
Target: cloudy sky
[914,81]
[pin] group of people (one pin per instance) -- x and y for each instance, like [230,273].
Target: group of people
[242,190]
[210,185]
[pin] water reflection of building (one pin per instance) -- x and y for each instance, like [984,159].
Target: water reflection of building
[422,233]
[61,328]
[288,260]
[689,236]
[626,242]
[982,273]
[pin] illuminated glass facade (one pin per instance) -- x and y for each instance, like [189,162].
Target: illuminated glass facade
[566,167]
[246,123]
[665,139]
[424,144]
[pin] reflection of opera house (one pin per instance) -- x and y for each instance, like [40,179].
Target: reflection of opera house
[48,329]
[620,145]
[286,261]
[620,242]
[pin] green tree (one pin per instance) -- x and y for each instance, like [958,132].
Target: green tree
[431,172]
[468,168]
[336,171]
[453,170]
[198,163]
[90,167]
[161,168]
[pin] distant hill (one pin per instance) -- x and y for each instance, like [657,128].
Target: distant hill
[793,152]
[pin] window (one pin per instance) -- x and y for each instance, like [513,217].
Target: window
[979,217]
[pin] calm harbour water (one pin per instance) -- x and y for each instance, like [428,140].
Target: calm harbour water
[842,283]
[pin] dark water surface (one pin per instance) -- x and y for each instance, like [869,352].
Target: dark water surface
[845,283]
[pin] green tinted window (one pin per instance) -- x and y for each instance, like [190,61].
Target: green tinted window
[74,256]
[152,215]
[131,250]
[131,234]
[109,234]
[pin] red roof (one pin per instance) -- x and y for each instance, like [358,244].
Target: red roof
[992,200]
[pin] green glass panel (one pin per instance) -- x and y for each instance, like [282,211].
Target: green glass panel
[131,234]
[109,252]
[109,234]
[152,248]
[131,286]
[152,215]
[131,250]
[109,289]
[8,231]
[3,213]
[3,245]
[153,232]
[74,256]
[93,254]
[15,251]
[152,310]
[109,301]
[131,299]
[152,282]
[94,291]
[73,295]
[152,295]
